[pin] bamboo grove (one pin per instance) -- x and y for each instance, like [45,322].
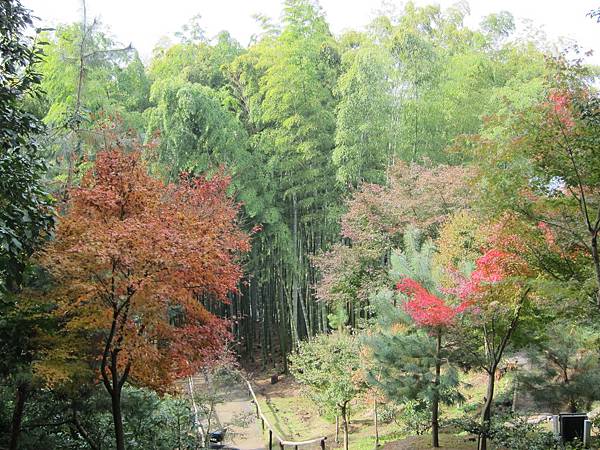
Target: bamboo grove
[300,119]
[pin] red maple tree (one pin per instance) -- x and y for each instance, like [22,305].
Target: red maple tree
[132,260]
[425,308]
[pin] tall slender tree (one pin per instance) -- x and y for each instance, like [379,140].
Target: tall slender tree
[364,120]
[25,206]
[411,345]
[130,263]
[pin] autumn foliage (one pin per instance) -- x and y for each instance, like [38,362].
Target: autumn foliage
[492,267]
[430,310]
[132,260]
[560,104]
[425,308]
[417,195]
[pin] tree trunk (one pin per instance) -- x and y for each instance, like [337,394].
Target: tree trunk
[515,396]
[283,334]
[486,413]
[596,258]
[17,417]
[81,431]
[295,268]
[376,421]
[435,401]
[303,294]
[344,410]
[14,280]
[206,439]
[337,429]
[118,416]
[265,318]
[196,413]
[114,386]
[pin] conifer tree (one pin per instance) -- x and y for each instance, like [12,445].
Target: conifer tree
[410,348]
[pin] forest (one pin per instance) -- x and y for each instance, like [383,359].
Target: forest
[389,235]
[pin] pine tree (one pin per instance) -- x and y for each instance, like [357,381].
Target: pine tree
[409,347]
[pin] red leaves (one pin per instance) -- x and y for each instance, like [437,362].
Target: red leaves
[490,268]
[196,345]
[425,308]
[141,254]
[410,287]
[429,310]
[417,195]
[560,102]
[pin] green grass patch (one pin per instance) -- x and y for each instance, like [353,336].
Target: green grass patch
[295,418]
[447,441]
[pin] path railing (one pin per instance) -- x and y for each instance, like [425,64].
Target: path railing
[272,433]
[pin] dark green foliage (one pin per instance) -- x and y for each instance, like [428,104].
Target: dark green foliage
[25,206]
[565,372]
[404,358]
[26,215]
[81,419]
[512,432]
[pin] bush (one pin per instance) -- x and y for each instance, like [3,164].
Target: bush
[414,417]
[150,421]
[470,407]
[512,432]
[388,412]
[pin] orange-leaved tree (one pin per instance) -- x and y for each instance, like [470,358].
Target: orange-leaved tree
[131,262]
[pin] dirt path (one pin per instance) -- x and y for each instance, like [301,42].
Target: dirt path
[237,413]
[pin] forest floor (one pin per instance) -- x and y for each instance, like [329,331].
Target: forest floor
[447,441]
[295,416]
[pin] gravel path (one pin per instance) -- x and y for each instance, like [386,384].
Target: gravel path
[237,409]
[234,412]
